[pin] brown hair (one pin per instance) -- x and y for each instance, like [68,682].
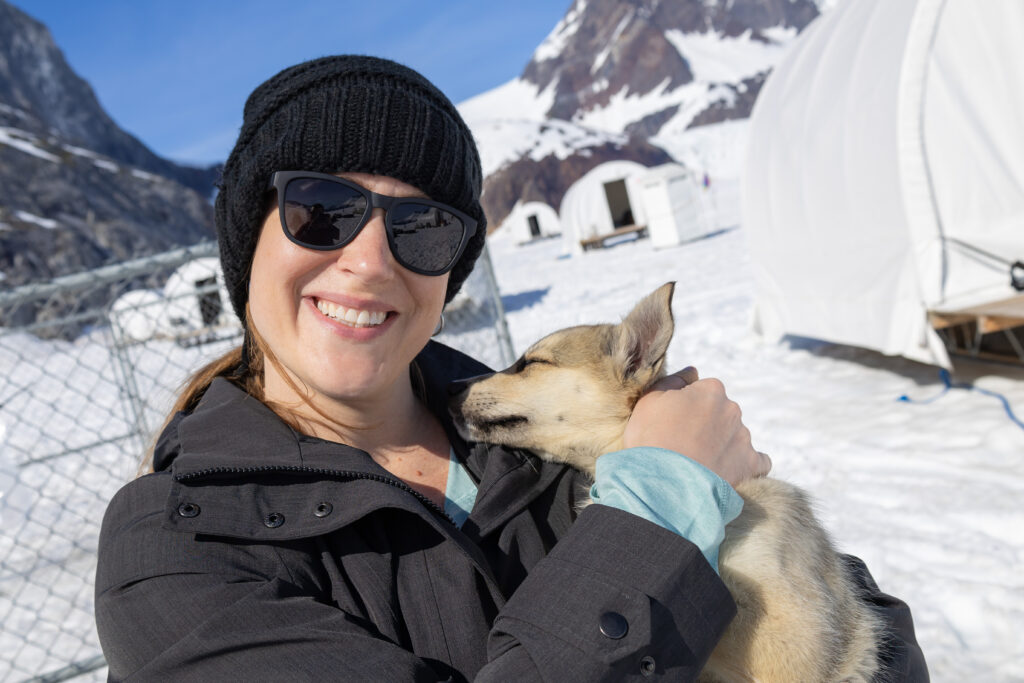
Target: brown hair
[250,378]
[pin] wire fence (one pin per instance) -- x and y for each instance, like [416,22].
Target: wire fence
[90,365]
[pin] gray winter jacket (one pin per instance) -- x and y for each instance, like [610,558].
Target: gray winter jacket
[255,553]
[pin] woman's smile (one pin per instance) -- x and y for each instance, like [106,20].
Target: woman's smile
[359,322]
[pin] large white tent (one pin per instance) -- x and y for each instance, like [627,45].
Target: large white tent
[586,210]
[885,176]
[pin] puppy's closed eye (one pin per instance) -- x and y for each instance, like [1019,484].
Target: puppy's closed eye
[523,362]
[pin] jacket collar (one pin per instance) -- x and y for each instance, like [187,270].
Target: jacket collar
[232,438]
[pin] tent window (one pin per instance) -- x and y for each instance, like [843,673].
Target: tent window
[534,226]
[618,203]
[209,302]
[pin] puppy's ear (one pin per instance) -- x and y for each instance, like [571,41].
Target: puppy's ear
[642,338]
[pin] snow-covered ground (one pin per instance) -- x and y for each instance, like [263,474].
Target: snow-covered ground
[928,494]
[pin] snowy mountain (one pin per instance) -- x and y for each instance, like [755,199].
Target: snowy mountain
[42,95]
[626,80]
[76,191]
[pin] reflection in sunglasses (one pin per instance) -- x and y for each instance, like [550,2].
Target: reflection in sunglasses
[325,213]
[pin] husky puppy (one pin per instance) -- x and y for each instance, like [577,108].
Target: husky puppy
[568,399]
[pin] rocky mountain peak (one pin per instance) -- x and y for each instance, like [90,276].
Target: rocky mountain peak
[76,191]
[627,79]
[41,94]
[601,48]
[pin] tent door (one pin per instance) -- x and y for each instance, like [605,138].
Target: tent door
[209,302]
[534,226]
[618,203]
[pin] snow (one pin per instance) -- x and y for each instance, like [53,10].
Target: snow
[552,46]
[47,223]
[20,113]
[24,142]
[98,160]
[80,151]
[603,55]
[927,494]
[720,59]
[502,141]
[106,165]
[517,99]
[505,120]
[145,176]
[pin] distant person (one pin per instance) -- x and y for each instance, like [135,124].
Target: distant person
[707,181]
[314,515]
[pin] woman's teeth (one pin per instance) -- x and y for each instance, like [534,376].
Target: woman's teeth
[351,316]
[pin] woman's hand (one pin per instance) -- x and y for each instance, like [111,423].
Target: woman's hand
[694,417]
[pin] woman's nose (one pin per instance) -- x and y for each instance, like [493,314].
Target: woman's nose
[368,255]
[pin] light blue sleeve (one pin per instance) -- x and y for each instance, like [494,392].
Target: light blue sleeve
[671,490]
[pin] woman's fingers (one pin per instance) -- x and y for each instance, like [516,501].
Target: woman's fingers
[765,465]
[677,380]
[689,374]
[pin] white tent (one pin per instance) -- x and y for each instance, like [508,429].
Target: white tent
[531,220]
[196,296]
[588,205]
[138,315]
[886,159]
[193,298]
[677,205]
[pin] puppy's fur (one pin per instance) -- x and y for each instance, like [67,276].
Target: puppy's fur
[568,399]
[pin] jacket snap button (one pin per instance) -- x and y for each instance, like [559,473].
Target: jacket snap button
[647,666]
[614,625]
[323,509]
[188,509]
[274,520]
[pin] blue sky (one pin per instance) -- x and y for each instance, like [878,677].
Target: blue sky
[176,74]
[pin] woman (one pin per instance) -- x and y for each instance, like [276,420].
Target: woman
[313,515]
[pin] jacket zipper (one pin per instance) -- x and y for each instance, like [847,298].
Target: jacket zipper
[343,474]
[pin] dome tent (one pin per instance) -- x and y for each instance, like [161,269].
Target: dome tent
[884,185]
[531,220]
[196,296]
[588,205]
[191,301]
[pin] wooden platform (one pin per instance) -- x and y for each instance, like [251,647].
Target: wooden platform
[598,242]
[990,331]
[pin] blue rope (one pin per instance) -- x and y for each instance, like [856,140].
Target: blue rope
[948,384]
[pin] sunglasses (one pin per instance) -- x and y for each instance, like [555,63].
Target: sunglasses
[324,212]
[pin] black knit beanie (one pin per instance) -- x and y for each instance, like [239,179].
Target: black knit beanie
[345,113]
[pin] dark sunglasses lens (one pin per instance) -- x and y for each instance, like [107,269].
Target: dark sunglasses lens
[321,213]
[426,237]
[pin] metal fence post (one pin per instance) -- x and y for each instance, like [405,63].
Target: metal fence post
[508,354]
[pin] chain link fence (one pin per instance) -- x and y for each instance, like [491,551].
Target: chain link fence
[90,365]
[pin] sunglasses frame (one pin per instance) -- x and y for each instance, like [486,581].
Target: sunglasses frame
[279,181]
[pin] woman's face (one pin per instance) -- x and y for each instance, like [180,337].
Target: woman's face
[301,302]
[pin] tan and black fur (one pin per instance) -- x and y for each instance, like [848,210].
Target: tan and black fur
[568,399]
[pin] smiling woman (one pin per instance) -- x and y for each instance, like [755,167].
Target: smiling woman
[312,512]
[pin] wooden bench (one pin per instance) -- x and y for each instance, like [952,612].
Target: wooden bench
[966,331]
[598,242]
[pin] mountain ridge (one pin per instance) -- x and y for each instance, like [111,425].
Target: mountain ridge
[638,73]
